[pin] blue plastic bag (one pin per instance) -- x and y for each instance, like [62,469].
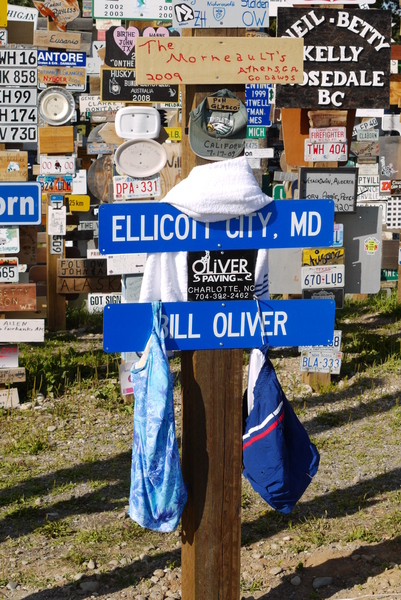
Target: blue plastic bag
[158,494]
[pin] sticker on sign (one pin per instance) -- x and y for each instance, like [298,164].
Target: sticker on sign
[329,276]
[321,361]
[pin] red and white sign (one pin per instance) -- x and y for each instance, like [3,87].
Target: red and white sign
[127,188]
[385,186]
[325,151]
[328,134]
[9,356]
[57,165]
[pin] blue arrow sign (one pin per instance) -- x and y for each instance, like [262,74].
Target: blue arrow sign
[220,325]
[126,228]
[20,203]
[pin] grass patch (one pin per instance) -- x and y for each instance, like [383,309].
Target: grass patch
[56,529]
[32,444]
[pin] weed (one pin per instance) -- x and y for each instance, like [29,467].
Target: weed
[31,444]
[256,585]
[56,529]
[300,566]
[360,533]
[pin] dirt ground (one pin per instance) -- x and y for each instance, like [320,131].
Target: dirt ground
[65,475]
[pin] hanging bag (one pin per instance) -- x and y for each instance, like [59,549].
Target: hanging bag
[158,493]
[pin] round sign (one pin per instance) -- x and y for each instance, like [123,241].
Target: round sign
[140,158]
[56,106]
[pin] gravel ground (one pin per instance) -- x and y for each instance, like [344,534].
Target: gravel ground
[64,485]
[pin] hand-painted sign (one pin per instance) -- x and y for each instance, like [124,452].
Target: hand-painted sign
[338,184]
[81,267]
[57,58]
[93,104]
[20,203]
[127,10]
[199,14]
[83,285]
[119,85]
[346,58]
[55,39]
[13,166]
[12,375]
[322,256]
[22,330]
[159,227]
[60,11]
[17,297]
[205,60]
[74,78]
[120,47]
[218,325]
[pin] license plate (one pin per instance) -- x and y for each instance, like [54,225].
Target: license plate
[18,57]
[18,133]
[3,37]
[329,276]
[61,165]
[19,77]
[9,270]
[321,361]
[11,96]
[335,345]
[325,151]
[126,188]
[55,183]
[13,115]
[56,244]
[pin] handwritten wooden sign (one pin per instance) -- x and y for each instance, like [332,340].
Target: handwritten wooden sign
[72,77]
[83,285]
[17,297]
[55,39]
[13,166]
[22,330]
[82,267]
[344,65]
[10,375]
[365,149]
[60,11]
[206,60]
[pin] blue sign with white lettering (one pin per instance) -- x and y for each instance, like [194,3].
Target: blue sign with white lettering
[57,58]
[220,325]
[258,103]
[20,203]
[126,228]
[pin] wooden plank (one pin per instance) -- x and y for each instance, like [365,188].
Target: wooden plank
[28,245]
[17,297]
[57,39]
[83,285]
[82,267]
[170,175]
[56,304]
[73,76]
[211,432]
[79,24]
[13,166]
[395,52]
[39,313]
[225,60]
[56,141]
[12,375]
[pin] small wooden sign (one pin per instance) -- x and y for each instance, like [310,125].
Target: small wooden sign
[223,104]
[12,375]
[56,39]
[83,285]
[365,149]
[17,297]
[13,166]
[28,245]
[22,330]
[82,267]
[74,78]
[212,60]
[60,11]
[56,141]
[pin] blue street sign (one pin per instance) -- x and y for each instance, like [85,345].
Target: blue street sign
[220,325]
[20,203]
[126,228]
[57,58]
[257,103]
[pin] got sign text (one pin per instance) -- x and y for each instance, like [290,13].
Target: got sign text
[197,60]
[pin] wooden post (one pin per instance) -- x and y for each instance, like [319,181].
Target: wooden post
[399,275]
[55,302]
[211,433]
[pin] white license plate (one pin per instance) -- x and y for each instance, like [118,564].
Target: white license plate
[126,188]
[18,57]
[335,345]
[9,272]
[56,244]
[12,96]
[3,37]
[321,361]
[19,77]
[19,115]
[329,276]
[319,151]
[18,133]
[57,165]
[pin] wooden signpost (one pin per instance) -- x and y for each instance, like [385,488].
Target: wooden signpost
[56,39]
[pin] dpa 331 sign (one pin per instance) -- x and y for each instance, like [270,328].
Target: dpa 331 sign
[159,227]
[20,203]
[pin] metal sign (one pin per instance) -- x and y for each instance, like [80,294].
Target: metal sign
[258,103]
[336,294]
[127,10]
[328,134]
[18,134]
[57,58]
[127,188]
[97,302]
[119,85]
[52,165]
[19,77]
[159,227]
[56,244]
[339,184]
[200,14]
[321,361]
[20,203]
[325,151]
[9,270]
[17,58]
[330,276]
[3,37]
[15,96]
[21,115]
[56,183]
[364,126]
[220,325]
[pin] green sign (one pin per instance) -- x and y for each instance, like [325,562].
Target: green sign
[279,192]
[256,132]
[388,275]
